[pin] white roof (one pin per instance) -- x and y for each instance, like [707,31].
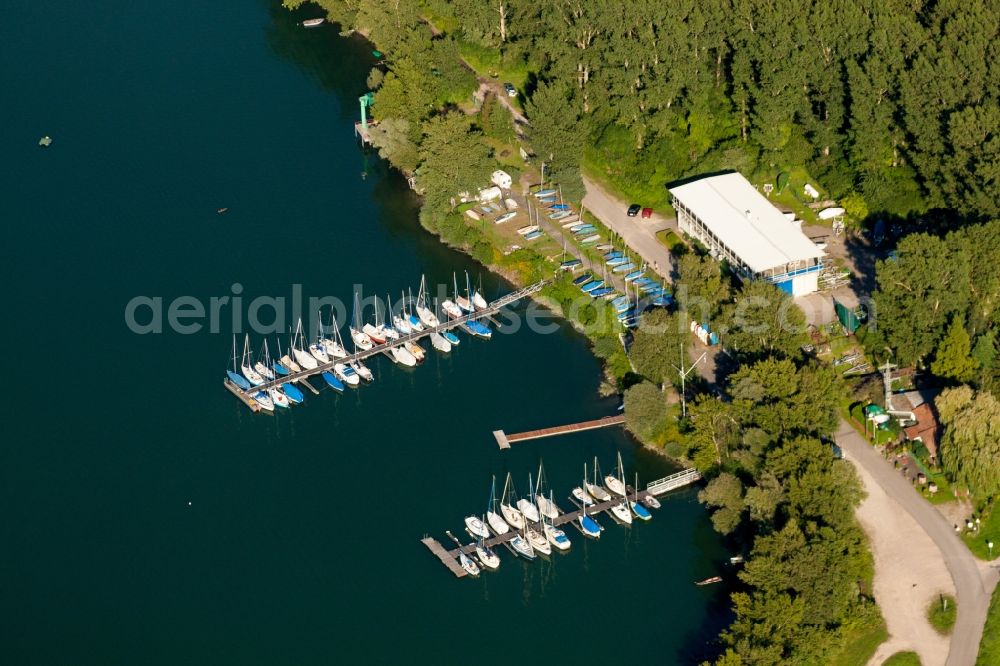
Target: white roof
[744,220]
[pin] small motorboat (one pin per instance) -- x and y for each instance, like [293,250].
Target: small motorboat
[709,581]
[557,537]
[332,381]
[476,527]
[450,337]
[312,23]
[505,217]
[651,502]
[468,564]
[736,559]
[641,512]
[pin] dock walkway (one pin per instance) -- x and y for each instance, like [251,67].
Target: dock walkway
[504,440]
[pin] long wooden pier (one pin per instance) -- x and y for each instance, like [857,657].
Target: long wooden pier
[302,376]
[504,440]
[449,557]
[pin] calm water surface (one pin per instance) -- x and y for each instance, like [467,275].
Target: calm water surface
[148,517]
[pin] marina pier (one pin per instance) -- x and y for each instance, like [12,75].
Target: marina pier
[302,377]
[449,557]
[504,440]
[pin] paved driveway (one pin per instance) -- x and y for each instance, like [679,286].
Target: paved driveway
[637,233]
[973,582]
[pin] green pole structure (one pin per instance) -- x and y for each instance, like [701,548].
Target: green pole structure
[365,101]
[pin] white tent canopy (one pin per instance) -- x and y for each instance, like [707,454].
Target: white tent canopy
[746,222]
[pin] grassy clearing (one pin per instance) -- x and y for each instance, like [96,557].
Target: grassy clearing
[989,648]
[902,659]
[989,530]
[860,645]
[941,614]
[671,240]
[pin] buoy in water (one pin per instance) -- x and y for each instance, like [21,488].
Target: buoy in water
[45,141]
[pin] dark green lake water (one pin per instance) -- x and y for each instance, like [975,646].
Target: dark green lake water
[301,540]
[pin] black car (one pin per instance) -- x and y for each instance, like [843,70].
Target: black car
[633,210]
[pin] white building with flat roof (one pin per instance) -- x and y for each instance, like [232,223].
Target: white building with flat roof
[736,222]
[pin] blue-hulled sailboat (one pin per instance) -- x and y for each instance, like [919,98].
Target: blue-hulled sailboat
[592,285]
[235,377]
[332,381]
[293,393]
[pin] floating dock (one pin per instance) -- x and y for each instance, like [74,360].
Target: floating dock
[302,377]
[449,557]
[504,440]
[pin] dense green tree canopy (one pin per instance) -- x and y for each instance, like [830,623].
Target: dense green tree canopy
[970,451]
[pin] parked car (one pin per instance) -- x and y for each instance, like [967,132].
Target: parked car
[647,213]
[510,89]
[633,210]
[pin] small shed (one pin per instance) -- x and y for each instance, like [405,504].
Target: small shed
[501,179]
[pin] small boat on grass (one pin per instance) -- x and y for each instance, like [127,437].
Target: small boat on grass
[534,235]
[602,292]
[559,214]
[613,255]
[332,381]
[617,261]
[602,248]
[524,231]
[592,285]
[624,268]
[634,275]
[570,265]
[559,206]
[583,279]
[590,239]
[544,193]
[505,217]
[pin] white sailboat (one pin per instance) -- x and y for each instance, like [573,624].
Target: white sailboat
[287,361]
[334,346]
[346,374]
[400,321]
[468,564]
[556,536]
[426,316]
[317,349]
[450,307]
[522,547]
[510,514]
[494,519]
[580,494]
[362,371]
[264,400]
[415,350]
[252,375]
[615,482]
[538,540]
[360,339]
[527,507]
[403,357]
[546,507]
[304,358]
[439,342]
[594,489]
[486,556]
[263,366]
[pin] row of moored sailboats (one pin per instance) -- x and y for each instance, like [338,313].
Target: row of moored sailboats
[393,333]
[531,519]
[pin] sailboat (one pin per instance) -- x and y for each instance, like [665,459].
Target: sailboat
[332,381]
[415,350]
[476,527]
[302,357]
[334,346]
[252,375]
[486,556]
[400,321]
[612,481]
[546,507]
[361,340]
[450,337]
[375,332]
[641,512]
[537,540]
[401,356]
[468,564]
[522,547]
[494,519]
[387,329]
[440,343]
[555,535]
[317,349]
[450,307]
[622,510]
[235,377]
[588,525]
[464,302]
[478,302]
[264,400]
[527,506]
[412,318]
[594,489]
[278,365]
[262,366]
[580,493]
[651,502]
[362,371]
[510,514]
[426,316]
[293,393]
[277,396]
[287,361]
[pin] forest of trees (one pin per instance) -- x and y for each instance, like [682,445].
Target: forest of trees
[892,106]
